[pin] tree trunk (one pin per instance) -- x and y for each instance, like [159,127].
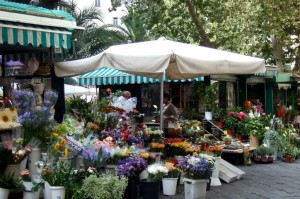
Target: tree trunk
[204,39]
[278,53]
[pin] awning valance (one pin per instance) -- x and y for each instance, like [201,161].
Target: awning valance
[37,36]
[106,76]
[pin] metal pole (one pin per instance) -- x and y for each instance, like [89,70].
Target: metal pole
[161,101]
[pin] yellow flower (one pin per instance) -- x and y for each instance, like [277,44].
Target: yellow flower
[12,110]
[63,142]
[56,146]
[66,152]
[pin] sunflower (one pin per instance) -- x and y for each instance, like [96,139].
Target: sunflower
[63,142]
[14,118]
[12,110]
[56,146]
[5,118]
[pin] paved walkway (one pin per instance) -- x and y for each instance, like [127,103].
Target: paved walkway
[278,180]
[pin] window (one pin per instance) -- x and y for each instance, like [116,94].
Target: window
[115,20]
[97,3]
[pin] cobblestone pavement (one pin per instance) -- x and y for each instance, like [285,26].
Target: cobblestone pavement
[278,180]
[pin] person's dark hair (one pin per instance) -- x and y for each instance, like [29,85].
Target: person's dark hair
[167,95]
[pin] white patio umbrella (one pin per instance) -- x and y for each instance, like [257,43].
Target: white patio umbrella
[78,90]
[154,58]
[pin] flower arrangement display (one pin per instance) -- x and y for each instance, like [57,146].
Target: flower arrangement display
[193,150]
[156,172]
[117,153]
[154,133]
[95,152]
[176,149]
[131,167]
[191,126]
[173,171]
[157,146]
[149,157]
[196,167]
[37,122]
[215,150]
[13,150]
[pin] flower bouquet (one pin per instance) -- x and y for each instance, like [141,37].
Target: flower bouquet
[131,167]
[157,147]
[176,149]
[173,171]
[196,167]
[149,157]
[154,133]
[58,146]
[156,172]
[215,150]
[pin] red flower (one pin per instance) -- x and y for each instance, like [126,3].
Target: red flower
[231,113]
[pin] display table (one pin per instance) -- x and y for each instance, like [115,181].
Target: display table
[235,157]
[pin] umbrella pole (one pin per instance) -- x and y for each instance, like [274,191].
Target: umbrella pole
[161,101]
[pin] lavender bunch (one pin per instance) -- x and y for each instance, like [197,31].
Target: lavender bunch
[24,101]
[50,98]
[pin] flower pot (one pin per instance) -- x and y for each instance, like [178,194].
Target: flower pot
[27,186]
[195,189]
[215,181]
[208,115]
[57,192]
[12,169]
[78,162]
[111,169]
[229,131]
[47,193]
[287,159]
[31,195]
[66,160]
[23,164]
[150,190]
[169,186]
[131,191]
[157,156]
[34,157]
[4,193]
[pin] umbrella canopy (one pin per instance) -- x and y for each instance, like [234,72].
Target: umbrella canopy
[152,58]
[78,90]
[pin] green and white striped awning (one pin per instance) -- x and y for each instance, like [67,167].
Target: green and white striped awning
[108,76]
[37,36]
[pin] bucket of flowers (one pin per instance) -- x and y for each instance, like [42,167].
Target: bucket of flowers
[170,180]
[26,180]
[197,171]
[131,168]
[151,187]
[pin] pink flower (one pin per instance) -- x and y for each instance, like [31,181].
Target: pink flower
[89,153]
[231,113]
[241,116]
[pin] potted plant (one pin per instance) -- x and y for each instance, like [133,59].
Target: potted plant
[263,154]
[151,186]
[219,115]
[169,181]
[227,139]
[289,152]
[108,186]
[255,129]
[131,168]
[197,171]
[209,101]
[7,183]
[57,180]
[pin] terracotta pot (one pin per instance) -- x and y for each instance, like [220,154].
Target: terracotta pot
[287,159]
[229,131]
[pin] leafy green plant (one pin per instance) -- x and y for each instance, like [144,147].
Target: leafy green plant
[263,150]
[10,182]
[105,186]
[273,140]
[255,127]
[209,97]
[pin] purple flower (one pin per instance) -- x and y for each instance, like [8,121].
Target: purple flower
[131,167]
